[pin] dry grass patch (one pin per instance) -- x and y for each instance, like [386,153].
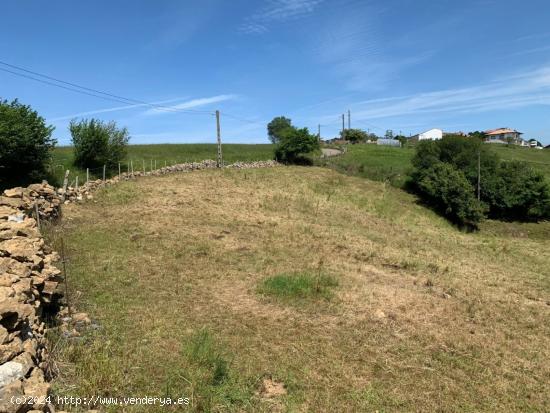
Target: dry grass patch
[424,317]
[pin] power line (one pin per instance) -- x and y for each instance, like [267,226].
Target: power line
[73,87]
[243,119]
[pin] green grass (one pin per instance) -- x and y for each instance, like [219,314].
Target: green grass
[303,285]
[379,163]
[539,159]
[425,318]
[383,163]
[62,157]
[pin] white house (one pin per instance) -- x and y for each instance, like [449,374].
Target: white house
[432,135]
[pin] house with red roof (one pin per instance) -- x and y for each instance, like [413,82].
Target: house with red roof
[503,135]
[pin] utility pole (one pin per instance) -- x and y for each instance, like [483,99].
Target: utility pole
[218,133]
[343,125]
[349,119]
[479,175]
[319,132]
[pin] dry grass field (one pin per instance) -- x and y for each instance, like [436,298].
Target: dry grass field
[207,284]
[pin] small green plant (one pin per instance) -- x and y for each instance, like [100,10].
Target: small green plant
[301,285]
[202,351]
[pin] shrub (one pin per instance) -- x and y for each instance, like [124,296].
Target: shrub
[518,192]
[447,189]
[97,143]
[25,144]
[460,152]
[354,135]
[510,190]
[295,145]
[276,128]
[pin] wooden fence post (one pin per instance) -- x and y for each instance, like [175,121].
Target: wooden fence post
[65,276]
[65,183]
[119,170]
[104,167]
[87,175]
[37,215]
[132,166]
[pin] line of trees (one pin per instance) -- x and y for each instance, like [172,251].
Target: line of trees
[26,144]
[466,182]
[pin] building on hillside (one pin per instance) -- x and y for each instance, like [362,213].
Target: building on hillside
[503,135]
[388,142]
[533,143]
[459,133]
[432,135]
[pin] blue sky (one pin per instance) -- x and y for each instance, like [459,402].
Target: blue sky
[406,65]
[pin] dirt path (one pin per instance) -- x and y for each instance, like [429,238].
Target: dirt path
[328,152]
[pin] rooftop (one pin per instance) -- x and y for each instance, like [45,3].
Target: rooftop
[500,131]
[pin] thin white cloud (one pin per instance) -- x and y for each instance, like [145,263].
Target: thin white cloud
[114,109]
[190,104]
[531,51]
[525,89]
[277,11]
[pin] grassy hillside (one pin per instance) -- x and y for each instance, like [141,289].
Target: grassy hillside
[379,163]
[383,163]
[207,284]
[538,158]
[169,153]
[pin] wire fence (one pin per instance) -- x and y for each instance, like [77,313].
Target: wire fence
[129,167]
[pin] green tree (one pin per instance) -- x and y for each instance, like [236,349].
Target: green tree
[97,143]
[354,135]
[402,139]
[518,192]
[276,128]
[25,144]
[295,145]
[509,190]
[477,134]
[447,189]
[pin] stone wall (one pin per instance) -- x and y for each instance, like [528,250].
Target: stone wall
[30,282]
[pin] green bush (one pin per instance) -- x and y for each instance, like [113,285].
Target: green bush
[25,144]
[518,192]
[508,190]
[354,135]
[97,143]
[447,189]
[295,145]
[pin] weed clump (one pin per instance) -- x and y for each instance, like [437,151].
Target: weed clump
[301,285]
